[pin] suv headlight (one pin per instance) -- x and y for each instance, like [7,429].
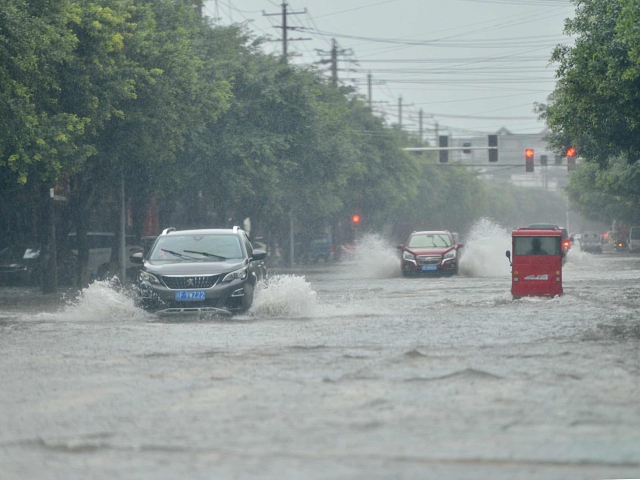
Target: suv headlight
[147,277]
[240,274]
[450,255]
[408,256]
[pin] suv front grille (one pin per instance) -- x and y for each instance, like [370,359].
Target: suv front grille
[182,282]
[429,259]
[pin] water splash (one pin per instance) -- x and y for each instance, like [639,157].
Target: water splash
[483,254]
[284,296]
[373,257]
[101,301]
[579,258]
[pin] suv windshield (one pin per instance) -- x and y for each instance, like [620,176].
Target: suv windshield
[429,240]
[200,248]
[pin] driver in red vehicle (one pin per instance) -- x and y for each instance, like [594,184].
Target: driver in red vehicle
[536,248]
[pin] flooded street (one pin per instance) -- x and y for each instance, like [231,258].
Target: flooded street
[346,371]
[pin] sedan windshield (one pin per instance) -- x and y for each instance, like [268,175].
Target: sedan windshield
[200,248]
[17,254]
[424,240]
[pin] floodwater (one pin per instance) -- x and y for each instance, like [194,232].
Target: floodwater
[338,372]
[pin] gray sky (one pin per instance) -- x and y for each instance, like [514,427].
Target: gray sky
[474,65]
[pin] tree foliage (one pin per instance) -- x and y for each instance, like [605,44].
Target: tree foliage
[596,105]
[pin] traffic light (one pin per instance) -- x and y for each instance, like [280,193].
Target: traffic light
[528,157]
[443,141]
[493,152]
[558,159]
[571,158]
[355,219]
[544,160]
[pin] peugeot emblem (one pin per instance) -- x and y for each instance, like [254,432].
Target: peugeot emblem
[189,282]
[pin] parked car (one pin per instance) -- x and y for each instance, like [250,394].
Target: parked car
[208,270]
[100,252]
[24,265]
[590,242]
[430,252]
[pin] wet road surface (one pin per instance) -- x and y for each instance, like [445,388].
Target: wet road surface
[347,372]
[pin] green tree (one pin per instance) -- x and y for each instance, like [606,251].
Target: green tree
[37,136]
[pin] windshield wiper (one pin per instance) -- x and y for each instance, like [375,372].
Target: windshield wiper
[178,254]
[212,255]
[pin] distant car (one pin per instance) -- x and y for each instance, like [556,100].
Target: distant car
[634,239]
[430,252]
[207,270]
[590,242]
[322,248]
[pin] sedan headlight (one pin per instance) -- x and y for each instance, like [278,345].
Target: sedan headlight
[450,255]
[408,256]
[237,275]
[147,277]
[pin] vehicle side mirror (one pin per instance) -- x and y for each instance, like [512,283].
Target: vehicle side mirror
[459,246]
[508,254]
[259,255]
[400,247]
[137,258]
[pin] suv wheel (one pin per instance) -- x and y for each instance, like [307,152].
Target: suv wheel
[247,300]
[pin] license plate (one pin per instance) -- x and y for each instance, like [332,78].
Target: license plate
[429,268]
[187,295]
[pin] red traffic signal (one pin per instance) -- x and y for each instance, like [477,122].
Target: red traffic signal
[571,152]
[528,156]
[355,219]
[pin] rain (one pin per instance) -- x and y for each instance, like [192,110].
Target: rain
[255,240]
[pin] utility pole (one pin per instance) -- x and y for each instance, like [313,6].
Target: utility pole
[369,96]
[333,58]
[334,62]
[285,55]
[400,105]
[285,28]
[420,124]
[437,134]
[50,280]
[122,253]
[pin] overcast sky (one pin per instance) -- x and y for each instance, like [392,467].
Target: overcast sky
[471,65]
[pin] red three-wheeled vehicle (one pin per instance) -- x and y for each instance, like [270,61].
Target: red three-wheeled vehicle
[536,263]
